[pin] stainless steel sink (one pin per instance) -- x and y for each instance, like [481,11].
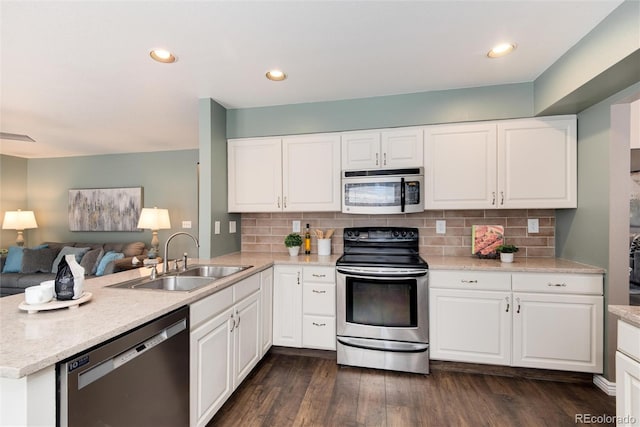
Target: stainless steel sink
[183,281]
[166,283]
[216,271]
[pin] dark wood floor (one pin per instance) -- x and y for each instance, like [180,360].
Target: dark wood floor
[299,390]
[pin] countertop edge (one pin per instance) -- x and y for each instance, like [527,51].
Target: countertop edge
[628,313]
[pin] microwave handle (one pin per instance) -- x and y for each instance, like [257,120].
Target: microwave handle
[402,195]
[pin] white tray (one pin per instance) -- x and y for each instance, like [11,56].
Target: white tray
[55,304]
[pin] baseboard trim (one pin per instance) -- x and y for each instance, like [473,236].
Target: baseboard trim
[605,385]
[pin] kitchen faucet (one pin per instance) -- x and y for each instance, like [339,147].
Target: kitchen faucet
[165,262]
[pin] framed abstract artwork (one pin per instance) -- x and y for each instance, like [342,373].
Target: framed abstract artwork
[105,209]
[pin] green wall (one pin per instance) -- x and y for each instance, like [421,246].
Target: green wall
[168,178]
[459,105]
[13,195]
[213,179]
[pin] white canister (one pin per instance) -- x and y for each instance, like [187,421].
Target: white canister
[324,247]
[38,294]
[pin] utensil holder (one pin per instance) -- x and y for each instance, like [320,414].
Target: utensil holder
[324,247]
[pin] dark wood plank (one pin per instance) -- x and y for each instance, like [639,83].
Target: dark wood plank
[289,389]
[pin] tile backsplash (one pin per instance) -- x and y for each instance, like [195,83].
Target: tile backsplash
[265,232]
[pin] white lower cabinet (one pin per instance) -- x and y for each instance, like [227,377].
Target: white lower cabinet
[549,321]
[225,344]
[266,305]
[470,326]
[628,375]
[304,307]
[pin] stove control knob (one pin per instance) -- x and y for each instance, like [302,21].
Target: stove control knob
[404,233]
[412,234]
[396,233]
[357,233]
[349,233]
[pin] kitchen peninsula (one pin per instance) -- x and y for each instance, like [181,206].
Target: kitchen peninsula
[32,344]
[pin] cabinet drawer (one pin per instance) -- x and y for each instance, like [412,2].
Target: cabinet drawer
[319,332]
[246,287]
[590,284]
[319,274]
[319,298]
[481,280]
[210,306]
[629,340]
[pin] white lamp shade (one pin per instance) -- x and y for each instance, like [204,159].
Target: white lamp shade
[19,220]
[154,219]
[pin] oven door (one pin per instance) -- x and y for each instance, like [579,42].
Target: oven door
[389,305]
[382,195]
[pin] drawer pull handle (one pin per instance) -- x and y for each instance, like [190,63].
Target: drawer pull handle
[318,292]
[559,285]
[319,324]
[319,275]
[469,281]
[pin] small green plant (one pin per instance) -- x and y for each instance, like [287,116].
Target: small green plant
[507,249]
[293,239]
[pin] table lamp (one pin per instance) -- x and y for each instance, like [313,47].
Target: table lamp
[154,219]
[19,220]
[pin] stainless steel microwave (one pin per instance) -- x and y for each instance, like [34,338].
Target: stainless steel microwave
[382,191]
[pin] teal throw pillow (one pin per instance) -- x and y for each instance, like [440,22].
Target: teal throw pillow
[106,259]
[13,263]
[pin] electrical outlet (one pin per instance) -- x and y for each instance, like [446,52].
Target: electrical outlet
[216,227]
[296,226]
[186,224]
[232,226]
[533,225]
[441,226]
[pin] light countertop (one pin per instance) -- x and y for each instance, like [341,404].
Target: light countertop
[628,313]
[31,342]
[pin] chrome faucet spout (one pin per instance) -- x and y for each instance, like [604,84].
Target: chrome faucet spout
[165,261]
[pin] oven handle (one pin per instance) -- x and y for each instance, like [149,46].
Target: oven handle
[381,345]
[383,272]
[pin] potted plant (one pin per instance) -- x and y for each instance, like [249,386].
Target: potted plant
[506,252]
[293,242]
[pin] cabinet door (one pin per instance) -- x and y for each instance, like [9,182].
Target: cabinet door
[554,331]
[460,166]
[537,161]
[266,308]
[470,326]
[287,306]
[361,150]
[402,148]
[246,336]
[311,173]
[627,387]
[211,367]
[255,175]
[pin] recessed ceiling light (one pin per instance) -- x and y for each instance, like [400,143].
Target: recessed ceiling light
[501,50]
[163,55]
[276,75]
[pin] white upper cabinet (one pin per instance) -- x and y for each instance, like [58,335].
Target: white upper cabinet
[393,148]
[255,175]
[537,163]
[516,164]
[298,173]
[311,173]
[460,166]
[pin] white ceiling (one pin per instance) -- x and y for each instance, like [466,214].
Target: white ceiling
[76,75]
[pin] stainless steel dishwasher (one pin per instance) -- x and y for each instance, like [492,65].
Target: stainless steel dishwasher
[138,379]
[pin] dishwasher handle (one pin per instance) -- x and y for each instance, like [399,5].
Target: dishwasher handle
[109,365]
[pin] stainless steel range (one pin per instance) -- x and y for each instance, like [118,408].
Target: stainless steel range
[382,300]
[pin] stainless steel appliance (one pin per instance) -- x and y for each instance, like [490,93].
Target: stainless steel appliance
[383,191]
[138,379]
[382,300]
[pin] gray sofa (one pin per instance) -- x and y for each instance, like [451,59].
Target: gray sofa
[36,264]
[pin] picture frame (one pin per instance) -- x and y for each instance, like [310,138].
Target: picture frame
[105,209]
